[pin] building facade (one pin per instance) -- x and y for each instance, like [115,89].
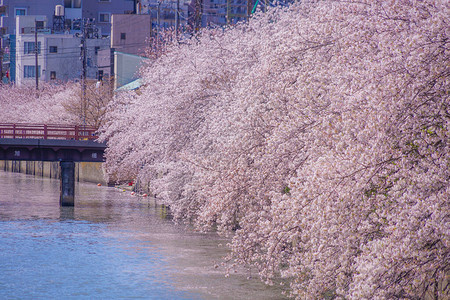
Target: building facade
[75,12]
[58,54]
[131,33]
[164,13]
[102,10]
[126,68]
[13,8]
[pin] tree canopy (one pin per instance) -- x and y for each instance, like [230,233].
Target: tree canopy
[316,135]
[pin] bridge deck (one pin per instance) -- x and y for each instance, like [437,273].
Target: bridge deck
[60,144]
[45,142]
[51,150]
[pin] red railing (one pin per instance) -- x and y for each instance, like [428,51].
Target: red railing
[51,131]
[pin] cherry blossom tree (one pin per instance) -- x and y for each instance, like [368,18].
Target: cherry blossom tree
[316,136]
[26,105]
[90,108]
[55,103]
[159,42]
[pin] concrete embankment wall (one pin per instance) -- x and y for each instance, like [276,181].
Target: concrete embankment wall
[84,171]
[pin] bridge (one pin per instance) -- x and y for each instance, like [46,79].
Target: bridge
[50,143]
[45,142]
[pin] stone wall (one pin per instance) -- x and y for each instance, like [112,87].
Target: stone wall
[84,171]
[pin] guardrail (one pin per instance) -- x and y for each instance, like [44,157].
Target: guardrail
[48,131]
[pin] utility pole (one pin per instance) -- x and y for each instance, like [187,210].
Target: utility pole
[36,49]
[228,12]
[111,69]
[158,23]
[198,11]
[249,9]
[84,71]
[1,59]
[177,21]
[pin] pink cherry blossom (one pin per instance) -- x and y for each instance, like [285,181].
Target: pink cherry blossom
[315,136]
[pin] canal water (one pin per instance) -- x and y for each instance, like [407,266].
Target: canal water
[111,245]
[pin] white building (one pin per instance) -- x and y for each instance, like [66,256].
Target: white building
[75,12]
[58,54]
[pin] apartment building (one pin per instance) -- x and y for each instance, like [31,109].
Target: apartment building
[75,11]
[58,54]
[102,10]
[164,13]
[131,33]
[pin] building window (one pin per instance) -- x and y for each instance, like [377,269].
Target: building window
[52,75]
[123,36]
[53,49]
[72,3]
[104,17]
[100,75]
[68,23]
[39,24]
[30,71]
[19,11]
[3,11]
[29,48]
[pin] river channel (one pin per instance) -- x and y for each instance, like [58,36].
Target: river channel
[111,245]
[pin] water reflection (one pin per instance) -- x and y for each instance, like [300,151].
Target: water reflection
[110,245]
[66,213]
